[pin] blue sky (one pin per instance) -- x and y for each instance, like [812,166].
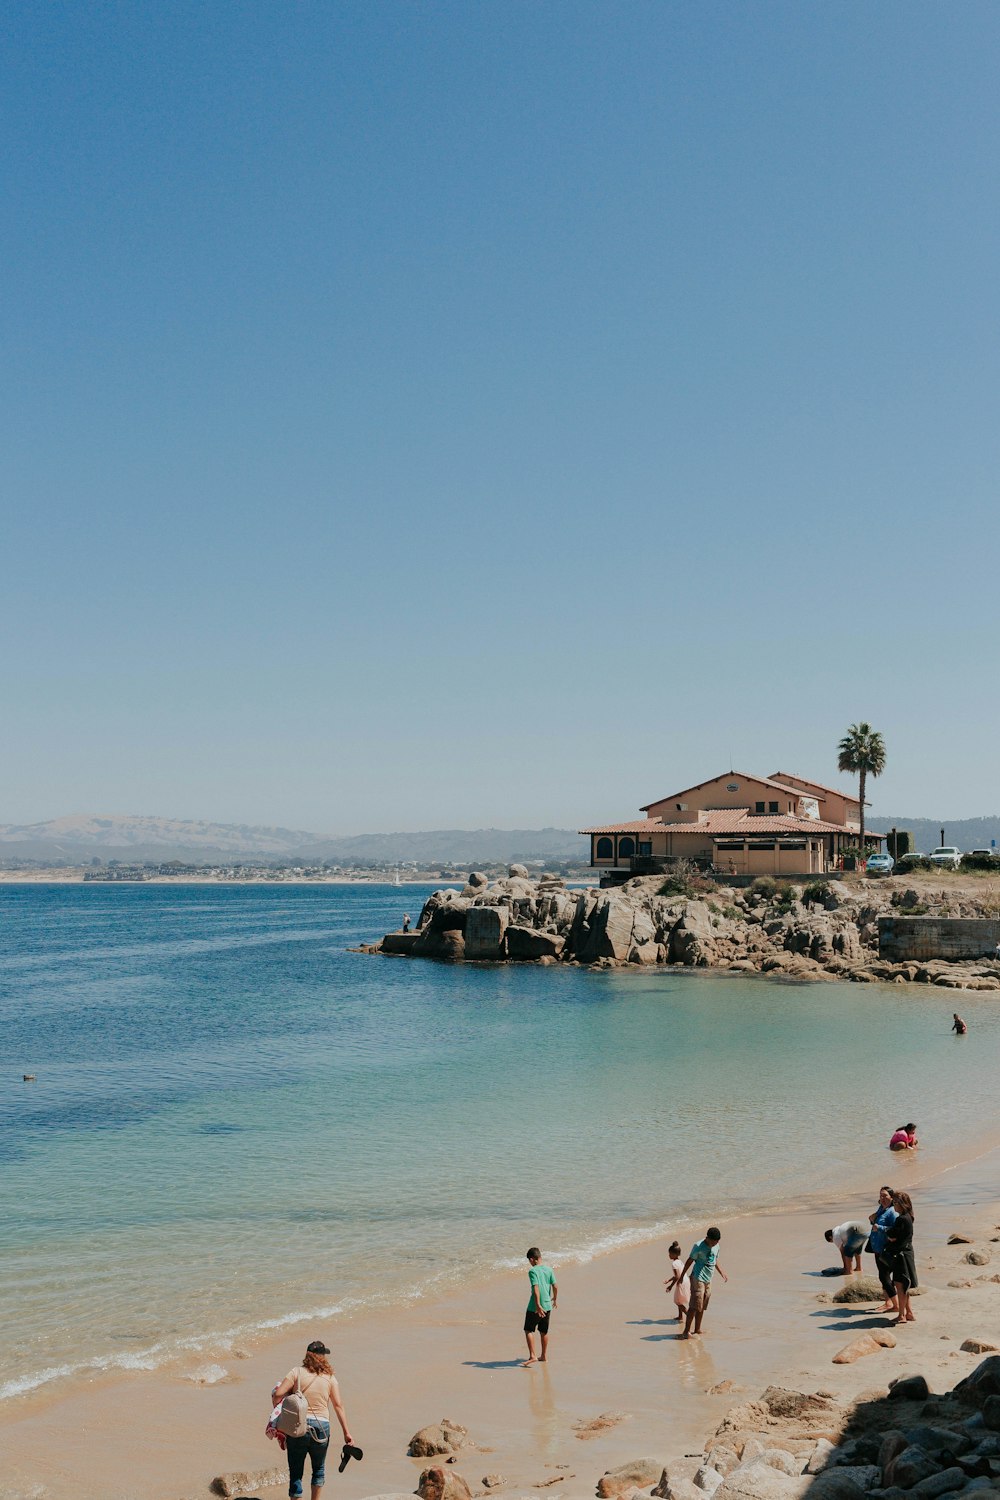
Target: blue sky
[422,415]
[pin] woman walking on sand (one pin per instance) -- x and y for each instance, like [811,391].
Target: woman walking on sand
[316,1381]
[904,1265]
[679,1284]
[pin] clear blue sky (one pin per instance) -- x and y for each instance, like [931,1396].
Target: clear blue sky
[423,415]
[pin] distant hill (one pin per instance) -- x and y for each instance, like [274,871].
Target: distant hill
[965,833]
[80,839]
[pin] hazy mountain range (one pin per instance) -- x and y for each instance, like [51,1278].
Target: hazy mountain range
[78,840]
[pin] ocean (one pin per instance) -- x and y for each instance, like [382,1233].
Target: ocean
[239,1125]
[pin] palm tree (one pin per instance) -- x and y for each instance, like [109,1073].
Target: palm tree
[862,750]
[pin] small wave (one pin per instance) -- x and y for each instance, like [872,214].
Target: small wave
[208,1375]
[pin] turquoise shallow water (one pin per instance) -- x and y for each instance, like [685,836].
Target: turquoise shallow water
[237,1123]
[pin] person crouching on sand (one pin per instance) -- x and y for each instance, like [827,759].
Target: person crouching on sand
[903,1138]
[544,1296]
[317,1382]
[850,1240]
[702,1263]
[679,1284]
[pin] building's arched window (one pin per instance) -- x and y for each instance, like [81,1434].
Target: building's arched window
[626,847]
[605,849]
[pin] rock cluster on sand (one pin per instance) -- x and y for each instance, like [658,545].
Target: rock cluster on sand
[821,931]
[900,1444]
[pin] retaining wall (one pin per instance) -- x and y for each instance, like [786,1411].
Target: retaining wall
[901,938]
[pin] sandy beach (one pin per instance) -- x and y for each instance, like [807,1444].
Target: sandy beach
[162,1436]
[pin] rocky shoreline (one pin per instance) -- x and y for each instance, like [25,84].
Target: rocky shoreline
[814,931]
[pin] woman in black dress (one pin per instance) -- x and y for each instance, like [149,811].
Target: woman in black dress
[904,1266]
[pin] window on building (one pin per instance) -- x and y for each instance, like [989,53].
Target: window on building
[755,847]
[772,807]
[626,847]
[605,849]
[729,844]
[758,807]
[793,844]
[645,847]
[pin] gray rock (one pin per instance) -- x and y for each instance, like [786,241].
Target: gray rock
[751,1448]
[708,1479]
[836,1484]
[910,1388]
[978,1346]
[941,1483]
[478,881]
[977,1257]
[519,872]
[893,1442]
[780,1458]
[485,927]
[527,943]
[723,1458]
[819,1458]
[984,1381]
[938,1439]
[760,1482]
[909,1467]
[991,1413]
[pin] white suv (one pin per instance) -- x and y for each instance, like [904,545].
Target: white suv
[947,857]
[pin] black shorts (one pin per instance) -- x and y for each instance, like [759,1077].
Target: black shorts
[536,1322]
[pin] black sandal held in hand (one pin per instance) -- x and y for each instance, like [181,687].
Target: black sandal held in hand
[349,1452]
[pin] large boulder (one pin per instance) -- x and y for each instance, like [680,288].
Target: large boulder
[759,1481]
[640,1472]
[443,1484]
[485,927]
[519,872]
[526,942]
[692,941]
[984,1381]
[399,942]
[910,1467]
[445,1436]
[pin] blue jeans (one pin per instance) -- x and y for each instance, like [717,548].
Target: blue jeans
[316,1443]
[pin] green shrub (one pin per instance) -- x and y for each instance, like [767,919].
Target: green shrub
[766,886]
[786,897]
[978,862]
[734,913]
[817,894]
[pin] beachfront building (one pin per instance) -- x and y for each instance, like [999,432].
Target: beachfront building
[741,825]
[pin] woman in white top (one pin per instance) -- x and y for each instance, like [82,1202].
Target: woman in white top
[317,1382]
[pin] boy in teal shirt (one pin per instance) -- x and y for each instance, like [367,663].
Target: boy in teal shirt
[544,1295]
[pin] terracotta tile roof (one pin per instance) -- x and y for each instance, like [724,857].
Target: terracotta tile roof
[740,776]
[817,786]
[734,820]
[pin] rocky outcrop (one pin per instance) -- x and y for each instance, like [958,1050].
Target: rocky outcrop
[765,929]
[443,1484]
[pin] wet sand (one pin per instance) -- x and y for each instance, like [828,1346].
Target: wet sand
[158,1436]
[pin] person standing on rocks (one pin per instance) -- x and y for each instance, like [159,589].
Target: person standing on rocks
[544,1296]
[702,1263]
[904,1265]
[406,921]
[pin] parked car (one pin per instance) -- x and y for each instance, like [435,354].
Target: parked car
[946,856]
[988,853]
[879,864]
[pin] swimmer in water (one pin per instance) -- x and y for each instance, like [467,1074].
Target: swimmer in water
[958,1026]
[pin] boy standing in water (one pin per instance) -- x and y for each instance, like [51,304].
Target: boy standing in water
[703,1262]
[544,1296]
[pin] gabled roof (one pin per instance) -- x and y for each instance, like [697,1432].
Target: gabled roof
[733,820]
[817,786]
[779,786]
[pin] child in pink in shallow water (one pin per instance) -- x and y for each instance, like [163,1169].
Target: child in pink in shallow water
[904,1138]
[679,1284]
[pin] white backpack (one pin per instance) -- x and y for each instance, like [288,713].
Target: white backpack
[294,1413]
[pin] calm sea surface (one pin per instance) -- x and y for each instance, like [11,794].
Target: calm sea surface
[238,1124]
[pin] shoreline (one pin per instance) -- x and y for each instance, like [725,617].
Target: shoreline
[458,1354]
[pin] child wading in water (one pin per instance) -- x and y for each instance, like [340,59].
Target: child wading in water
[678,1283]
